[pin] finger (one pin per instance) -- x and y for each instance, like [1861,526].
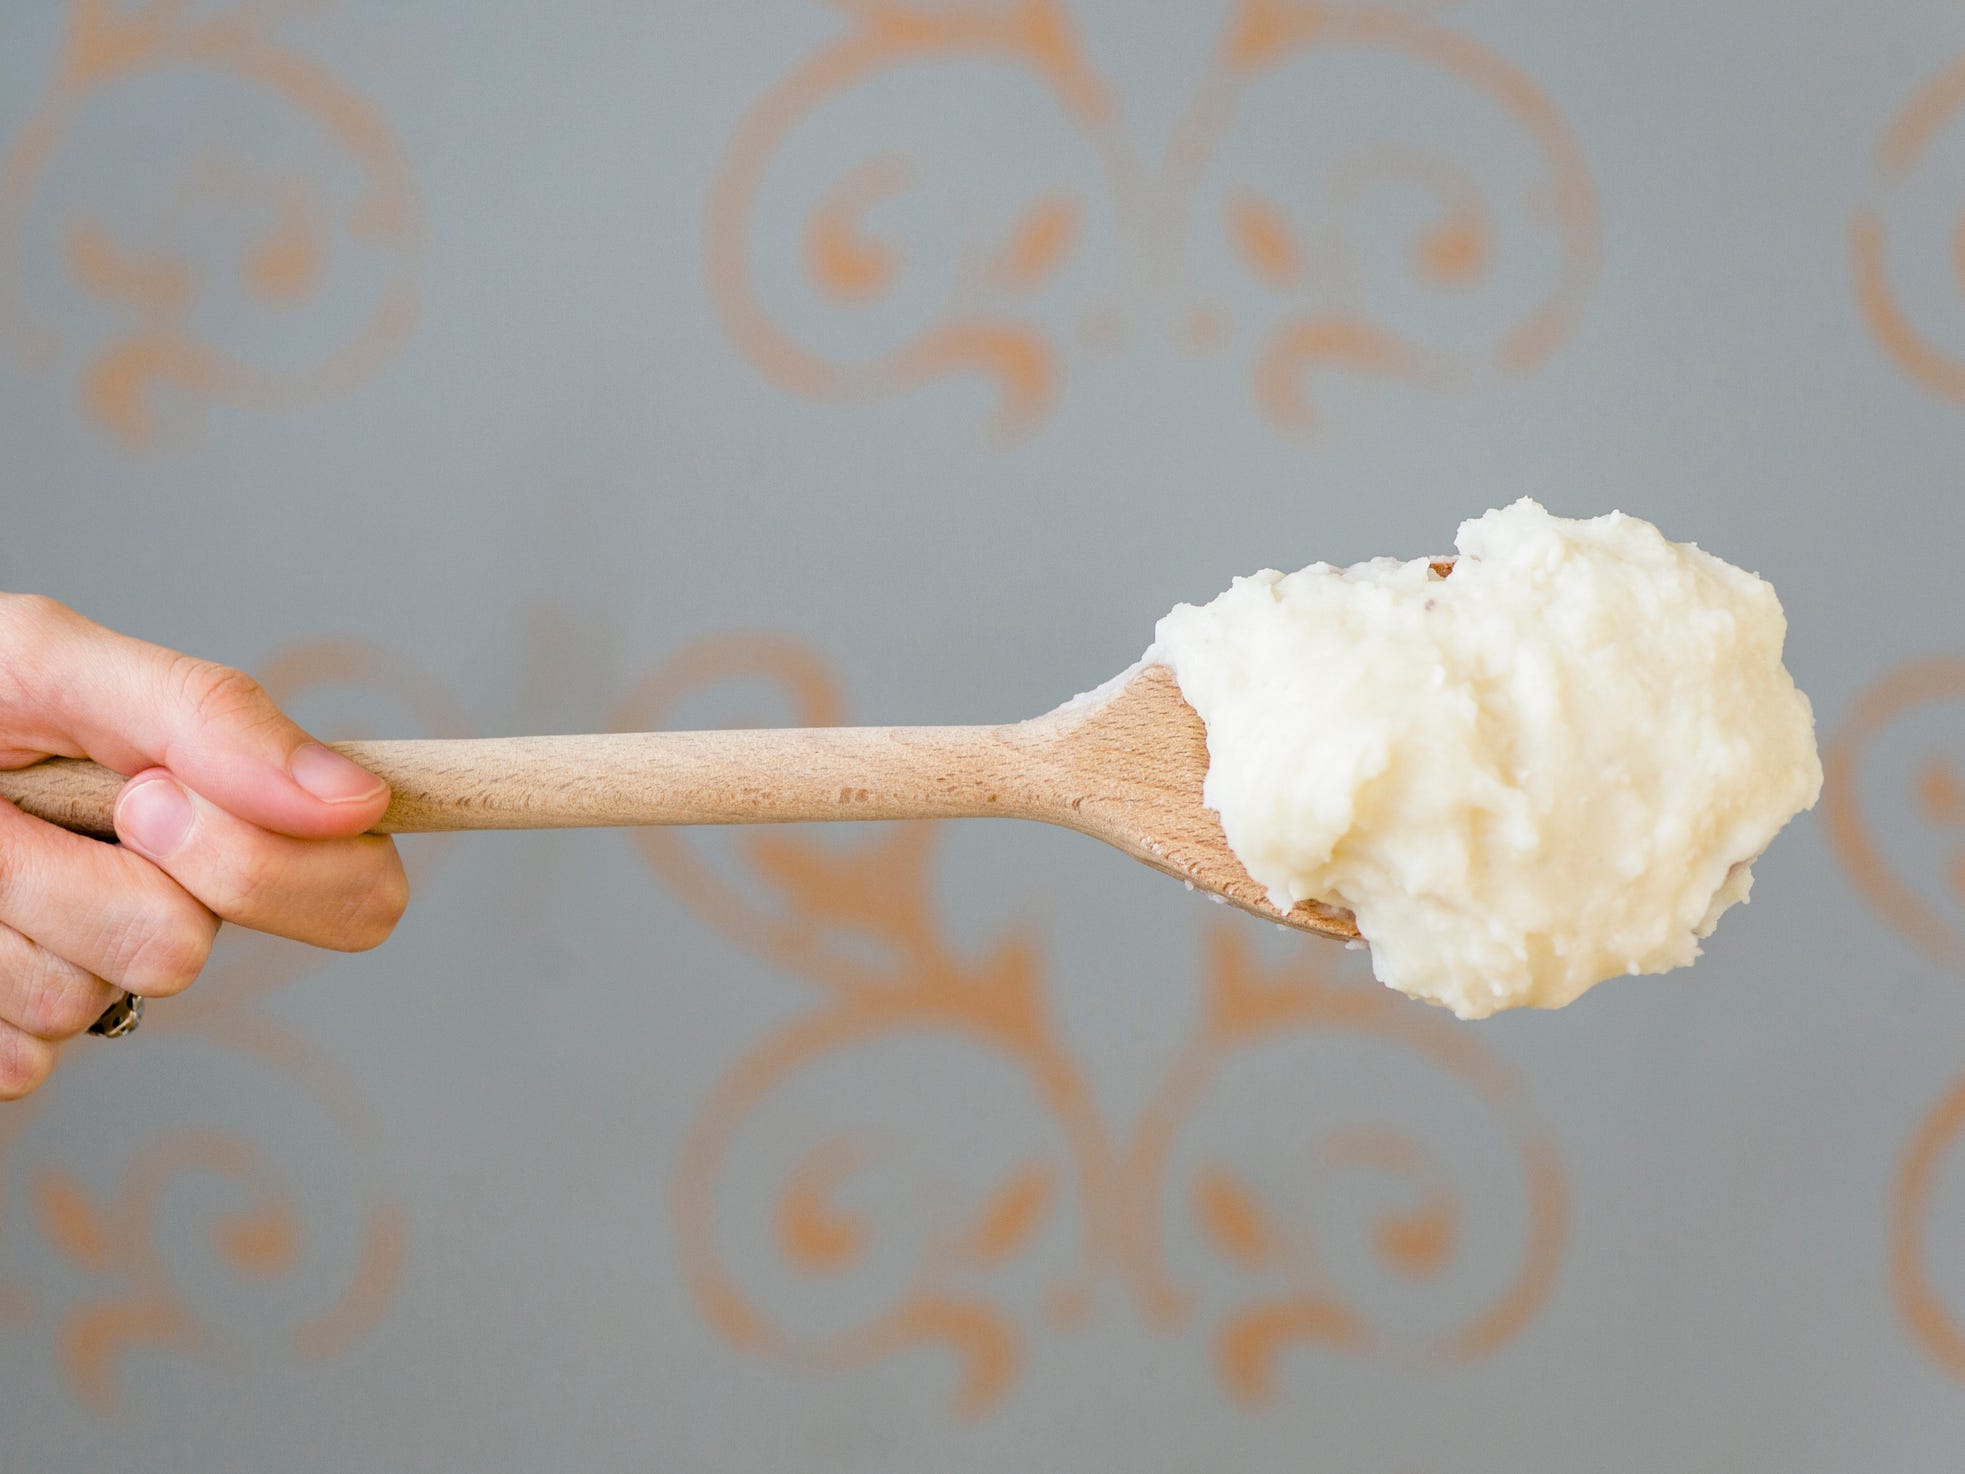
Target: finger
[72,687]
[24,1062]
[106,909]
[342,893]
[47,996]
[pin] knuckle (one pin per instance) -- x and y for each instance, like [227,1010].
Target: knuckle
[217,693]
[27,626]
[31,614]
[15,869]
[59,1002]
[24,1063]
[163,953]
[238,891]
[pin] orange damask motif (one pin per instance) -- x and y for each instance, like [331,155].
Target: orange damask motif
[1917,882]
[1937,1324]
[1924,913]
[142,1288]
[880,321]
[1894,233]
[832,1245]
[275,270]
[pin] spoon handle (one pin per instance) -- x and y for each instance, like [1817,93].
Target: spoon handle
[764,776]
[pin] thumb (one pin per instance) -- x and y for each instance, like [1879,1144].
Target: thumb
[74,687]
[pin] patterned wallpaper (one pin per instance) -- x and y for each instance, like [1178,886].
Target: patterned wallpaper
[875,1155]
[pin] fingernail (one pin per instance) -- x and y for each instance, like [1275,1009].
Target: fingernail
[154,817]
[330,777]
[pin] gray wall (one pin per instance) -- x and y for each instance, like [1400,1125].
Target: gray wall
[510,368]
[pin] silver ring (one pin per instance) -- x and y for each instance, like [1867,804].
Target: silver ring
[120,1018]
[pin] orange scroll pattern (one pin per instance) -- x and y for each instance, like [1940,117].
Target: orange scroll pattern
[917,1158]
[1908,241]
[1433,226]
[1935,1318]
[1918,882]
[271,270]
[198,1237]
[1890,763]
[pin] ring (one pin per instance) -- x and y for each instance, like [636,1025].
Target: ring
[120,1018]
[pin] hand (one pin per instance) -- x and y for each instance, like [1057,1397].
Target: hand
[231,812]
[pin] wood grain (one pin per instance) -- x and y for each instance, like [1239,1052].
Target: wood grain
[1124,765]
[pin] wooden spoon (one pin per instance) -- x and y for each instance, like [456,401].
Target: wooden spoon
[1123,764]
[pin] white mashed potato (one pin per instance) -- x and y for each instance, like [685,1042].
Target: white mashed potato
[1547,769]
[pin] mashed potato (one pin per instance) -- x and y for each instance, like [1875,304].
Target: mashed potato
[1547,769]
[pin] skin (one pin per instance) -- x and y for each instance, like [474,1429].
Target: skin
[231,813]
